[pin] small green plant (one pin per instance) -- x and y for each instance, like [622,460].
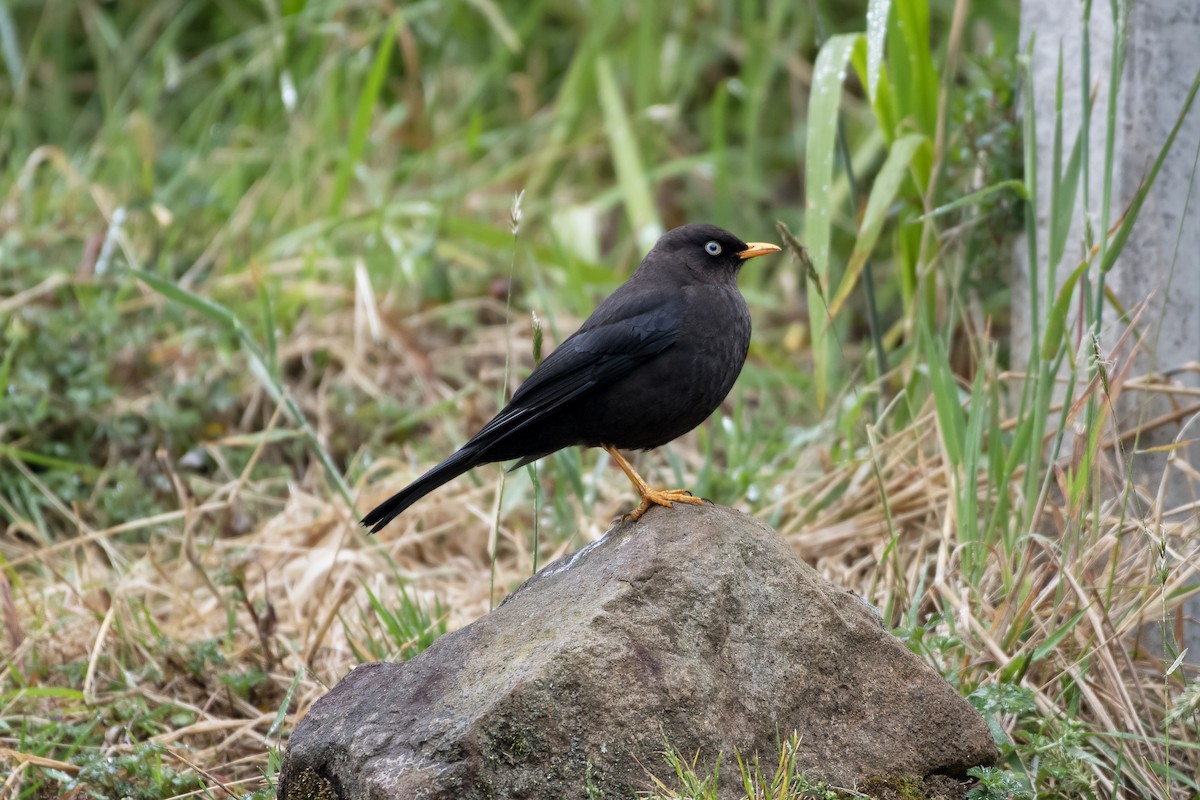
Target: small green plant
[998,784]
[691,781]
[1037,750]
[781,781]
[136,775]
[410,627]
[590,790]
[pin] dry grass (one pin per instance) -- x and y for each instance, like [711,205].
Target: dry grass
[288,595]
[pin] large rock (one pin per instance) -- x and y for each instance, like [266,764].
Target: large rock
[697,624]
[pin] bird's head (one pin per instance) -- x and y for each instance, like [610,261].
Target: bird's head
[708,254]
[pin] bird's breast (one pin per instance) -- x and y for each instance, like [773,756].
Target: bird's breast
[672,393]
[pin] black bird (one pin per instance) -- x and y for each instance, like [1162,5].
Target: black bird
[650,364]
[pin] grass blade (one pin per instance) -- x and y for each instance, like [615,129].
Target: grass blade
[1126,226]
[1056,322]
[945,394]
[877,23]
[635,187]
[258,366]
[201,305]
[1064,185]
[883,193]
[818,178]
[367,99]
[268,312]
[914,78]
[1015,186]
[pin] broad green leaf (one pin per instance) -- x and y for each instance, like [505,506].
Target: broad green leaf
[818,179]
[910,62]
[883,100]
[877,20]
[883,193]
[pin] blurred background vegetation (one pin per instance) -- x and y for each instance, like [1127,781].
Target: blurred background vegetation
[273,150]
[259,260]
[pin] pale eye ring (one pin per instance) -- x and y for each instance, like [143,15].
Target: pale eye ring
[713,249]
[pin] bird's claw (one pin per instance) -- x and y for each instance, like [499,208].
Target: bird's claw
[662,497]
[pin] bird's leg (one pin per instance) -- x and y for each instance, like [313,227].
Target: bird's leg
[661,497]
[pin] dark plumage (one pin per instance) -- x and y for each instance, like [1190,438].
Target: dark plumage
[650,364]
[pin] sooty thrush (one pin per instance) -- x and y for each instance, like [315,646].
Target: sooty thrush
[650,364]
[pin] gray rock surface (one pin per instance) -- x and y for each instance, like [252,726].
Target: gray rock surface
[697,623]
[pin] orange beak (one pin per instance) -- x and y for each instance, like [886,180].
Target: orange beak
[756,249]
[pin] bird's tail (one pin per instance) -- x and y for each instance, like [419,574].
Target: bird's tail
[447,471]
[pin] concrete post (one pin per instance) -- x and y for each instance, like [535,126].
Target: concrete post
[1162,258]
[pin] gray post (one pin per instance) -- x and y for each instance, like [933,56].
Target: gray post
[1161,260]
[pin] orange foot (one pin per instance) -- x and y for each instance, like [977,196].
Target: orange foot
[662,497]
[650,497]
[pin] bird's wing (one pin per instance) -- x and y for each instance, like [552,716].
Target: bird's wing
[595,355]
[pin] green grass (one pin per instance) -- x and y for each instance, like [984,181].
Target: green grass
[259,266]
[781,780]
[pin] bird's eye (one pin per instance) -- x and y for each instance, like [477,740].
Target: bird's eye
[713,249]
